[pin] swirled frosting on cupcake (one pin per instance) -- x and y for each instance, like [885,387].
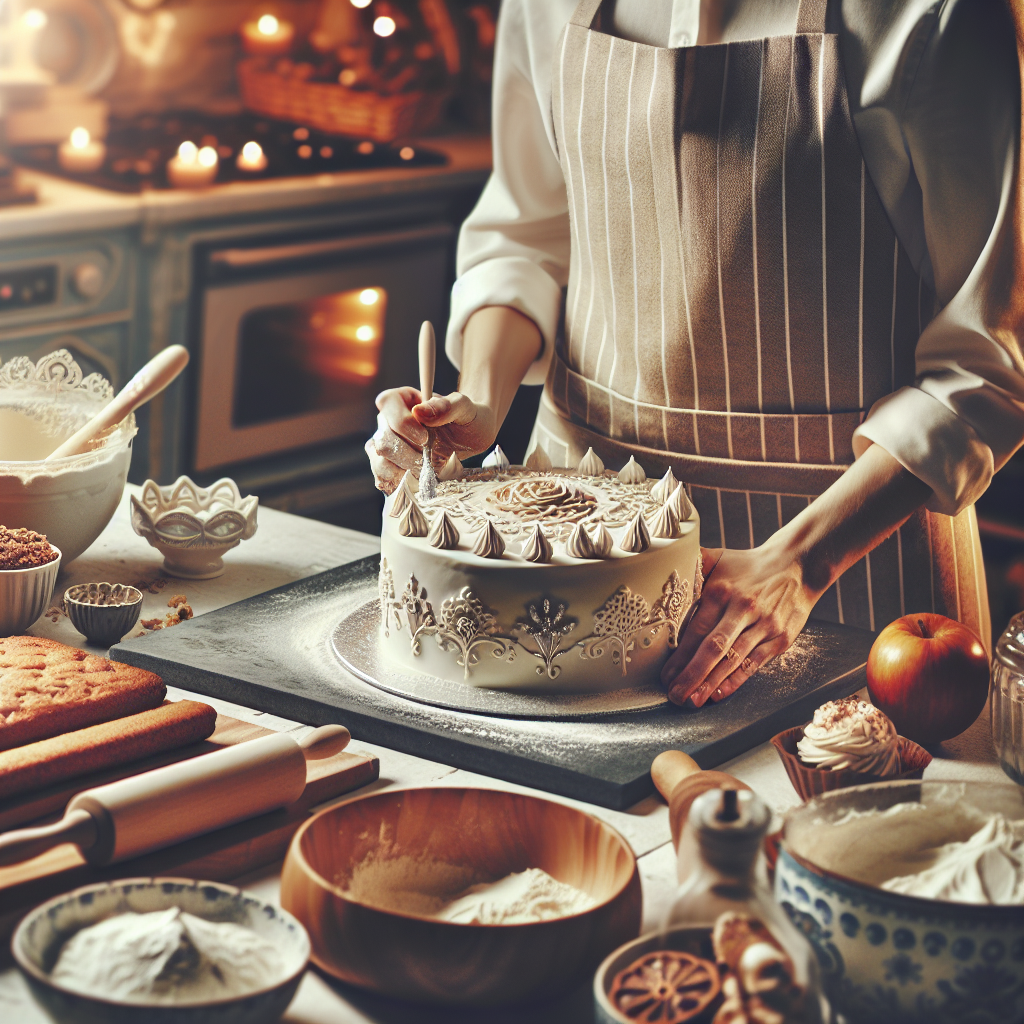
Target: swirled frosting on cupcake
[850,735]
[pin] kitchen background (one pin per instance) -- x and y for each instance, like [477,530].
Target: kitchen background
[297,286]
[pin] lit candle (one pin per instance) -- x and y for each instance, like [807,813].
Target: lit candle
[268,36]
[251,158]
[81,152]
[192,167]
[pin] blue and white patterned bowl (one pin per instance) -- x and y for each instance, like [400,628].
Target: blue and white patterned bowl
[887,958]
[38,940]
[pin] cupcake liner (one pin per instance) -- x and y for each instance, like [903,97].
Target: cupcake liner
[810,782]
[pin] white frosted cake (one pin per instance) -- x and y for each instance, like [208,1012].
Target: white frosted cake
[537,578]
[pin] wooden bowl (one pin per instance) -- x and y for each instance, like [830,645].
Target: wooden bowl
[479,832]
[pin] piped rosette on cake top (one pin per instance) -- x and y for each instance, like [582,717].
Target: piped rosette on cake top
[537,577]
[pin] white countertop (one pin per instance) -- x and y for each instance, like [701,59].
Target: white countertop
[66,206]
[277,555]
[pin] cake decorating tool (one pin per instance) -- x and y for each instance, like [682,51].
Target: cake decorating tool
[428,478]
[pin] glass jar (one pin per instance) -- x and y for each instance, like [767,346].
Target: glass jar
[1006,699]
[727,892]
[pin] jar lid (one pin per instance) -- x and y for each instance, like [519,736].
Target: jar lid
[1010,648]
[730,826]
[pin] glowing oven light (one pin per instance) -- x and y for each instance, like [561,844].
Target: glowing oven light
[268,25]
[365,333]
[384,26]
[368,296]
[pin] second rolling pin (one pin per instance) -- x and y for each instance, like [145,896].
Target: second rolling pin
[180,801]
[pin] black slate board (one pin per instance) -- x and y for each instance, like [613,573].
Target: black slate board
[273,652]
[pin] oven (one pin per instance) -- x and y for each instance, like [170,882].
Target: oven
[296,339]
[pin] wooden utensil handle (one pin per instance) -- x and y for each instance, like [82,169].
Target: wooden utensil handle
[76,826]
[326,741]
[428,354]
[148,382]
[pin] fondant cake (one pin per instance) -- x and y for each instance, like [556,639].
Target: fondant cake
[540,578]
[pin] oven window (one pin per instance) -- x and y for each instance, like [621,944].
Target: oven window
[307,356]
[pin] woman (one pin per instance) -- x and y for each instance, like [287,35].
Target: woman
[788,272]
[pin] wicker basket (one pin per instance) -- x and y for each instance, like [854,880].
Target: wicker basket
[333,108]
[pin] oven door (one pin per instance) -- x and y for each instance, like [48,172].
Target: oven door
[296,340]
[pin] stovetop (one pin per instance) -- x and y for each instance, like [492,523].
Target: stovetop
[138,150]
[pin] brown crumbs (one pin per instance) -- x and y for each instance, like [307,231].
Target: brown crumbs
[24,549]
[156,623]
[176,600]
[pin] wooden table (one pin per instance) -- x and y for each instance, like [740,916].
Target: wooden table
[287,548]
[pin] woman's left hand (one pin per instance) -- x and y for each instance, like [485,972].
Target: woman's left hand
[753,605]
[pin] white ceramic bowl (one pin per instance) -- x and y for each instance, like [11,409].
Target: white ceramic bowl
[887,957]
[70,500]
[25,594]
[192,526]
[38,940]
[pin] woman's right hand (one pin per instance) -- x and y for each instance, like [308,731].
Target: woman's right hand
[459,425]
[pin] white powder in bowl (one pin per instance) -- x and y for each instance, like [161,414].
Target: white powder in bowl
[453,892]
[166,957]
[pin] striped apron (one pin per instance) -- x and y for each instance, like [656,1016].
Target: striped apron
[737,297]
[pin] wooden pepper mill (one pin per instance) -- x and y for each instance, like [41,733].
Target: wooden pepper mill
[680,780]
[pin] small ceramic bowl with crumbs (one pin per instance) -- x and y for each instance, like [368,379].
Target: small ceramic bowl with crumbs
[381,883]
[194,971]
[103,612]
[28,574]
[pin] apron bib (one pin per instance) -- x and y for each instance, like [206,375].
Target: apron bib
[737,297]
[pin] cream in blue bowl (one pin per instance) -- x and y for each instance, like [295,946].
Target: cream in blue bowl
[922,955]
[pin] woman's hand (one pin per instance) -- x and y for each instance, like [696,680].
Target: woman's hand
[753,606]
[756,602]
[458,423]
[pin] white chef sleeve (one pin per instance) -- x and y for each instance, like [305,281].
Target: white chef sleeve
[963,417]
[514,247]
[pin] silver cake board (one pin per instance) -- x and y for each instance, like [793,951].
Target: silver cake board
[357,643]
[275,652]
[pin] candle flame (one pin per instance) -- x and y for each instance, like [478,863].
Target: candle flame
[360,3]
[251,152]
[34,18]
[268,25]
[207,157]
[187,152]
[368,296]
[364,333]
[384,26]
[80,138]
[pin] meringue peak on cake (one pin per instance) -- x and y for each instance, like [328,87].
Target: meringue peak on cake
[590,464]
[663,489]
[451,470]
[536,547]
[602,541]
[636,537]
[579,544]
[632,472]
[413,523]
[489,542]
[538,460]
[497,459]
[664,524]
[680,503]
[443,533]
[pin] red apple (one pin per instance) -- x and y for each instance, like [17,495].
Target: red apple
[929,674]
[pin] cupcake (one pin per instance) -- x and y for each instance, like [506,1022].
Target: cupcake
[848,742]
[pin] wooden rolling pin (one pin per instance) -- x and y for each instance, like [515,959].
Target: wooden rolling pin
[83,751]
[680,780]
[180,801]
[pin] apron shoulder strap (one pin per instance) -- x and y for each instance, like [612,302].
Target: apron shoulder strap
[810,19]
[585,13]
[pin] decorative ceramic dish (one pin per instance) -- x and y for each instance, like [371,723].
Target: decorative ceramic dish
[103,612]
[192,526]
[887,956]
[25,594]
[37,942]
[70,500]
[809,781]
